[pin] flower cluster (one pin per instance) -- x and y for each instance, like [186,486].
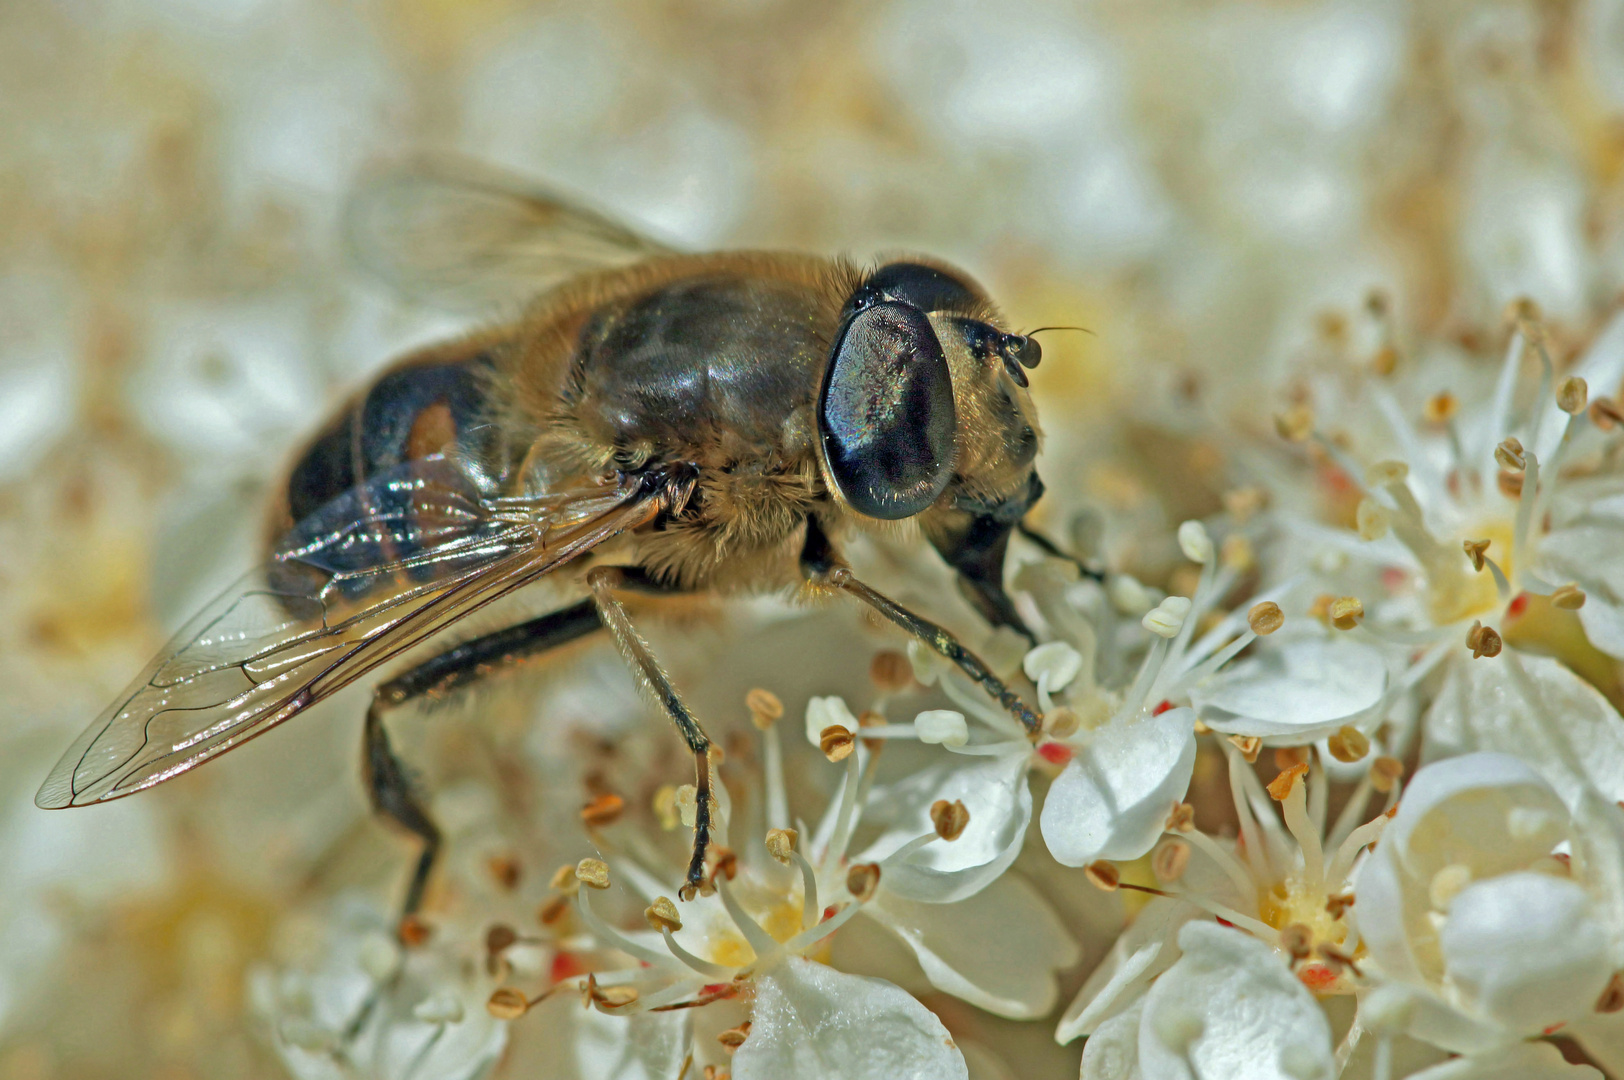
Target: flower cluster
[1349,774]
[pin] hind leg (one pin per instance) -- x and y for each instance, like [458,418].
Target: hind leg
[388,784]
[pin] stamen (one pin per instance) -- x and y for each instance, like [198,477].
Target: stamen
[760,941]
[608,935]
[1525,507]
[950,818]
[662,915]
[1248,745]
[836,742]
[1348,744]
[1251,838]
[1244,883]
[1572,395]
[1348,851]
[507,1003]
[1568,598]
[1140,690]
[1293,804]
[808,938]
[809,891]
[773,766]
[1483,641]
[891,671]
[1372,519]
[1345,612]
[942,727]
[593,873]
[1509,454]
[1265,618]
[863,881]
[1195,543]
[843,817]
[1169,860]
[1385,773]
[703,967]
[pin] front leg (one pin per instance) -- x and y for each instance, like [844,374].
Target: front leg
[820,565]
[604,581]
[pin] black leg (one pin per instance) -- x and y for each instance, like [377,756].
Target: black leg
[387,783]
[820,565]
[1049,547]
[604,581]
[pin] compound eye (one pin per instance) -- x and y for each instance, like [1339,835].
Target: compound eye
[886,418]
[925,287]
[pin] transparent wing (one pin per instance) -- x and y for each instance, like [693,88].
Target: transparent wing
[466,237]
[373,573]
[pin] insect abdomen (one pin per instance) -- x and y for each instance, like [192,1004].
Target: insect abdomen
[418,408]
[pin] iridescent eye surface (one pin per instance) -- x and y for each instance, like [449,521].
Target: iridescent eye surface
[886,418]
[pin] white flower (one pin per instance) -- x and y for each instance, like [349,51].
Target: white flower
[1285,883]
[1482,932]
[763,937]
[1231,1007]
[369,1009]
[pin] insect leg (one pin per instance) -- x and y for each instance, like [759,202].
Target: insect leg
[388,784]
[1054,550]
[819,564]
[603,581]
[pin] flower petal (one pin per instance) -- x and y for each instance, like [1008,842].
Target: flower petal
[1143,951]
[998,949]
[1112,800]
[1534,708]
[1231,1007]
[993,789]
[811,1022]
[642,1046]
[1307,688]
[1519,1061]
[1112,1052]
[1524,950]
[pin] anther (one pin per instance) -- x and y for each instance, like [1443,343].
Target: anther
[891,671]
[1483,641]
[1612,995]
[505,870]
[781,845]
[1237,553]
[1248,745]
[1521,310]
[1103,875]
[1169,861]
[1287,756]
[949,818]
[1509,483]
[1244,503]
[1568,598]
[1265,618]
[1061,723]
[593,873]
[1348,744]
[1280,787]
[506,1003]
[862,880]
[603,810]
[1385,772]
[1336,905]
[1475,551]
[1298,940]
[724,865]
[1181,818]
[1345,612]
[609,997]
[499,938]
[836,742]
[553,909]
[1168,617]
[734,1037]
[1295,424]
[1372,519]
[1606,413]
[1572,395]
[1440,408]
[664,805]
[1195,543]
[662,915]
[1509,454]
[764,706]
[1387,472]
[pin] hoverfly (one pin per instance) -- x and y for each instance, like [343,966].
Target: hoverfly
[725,419]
